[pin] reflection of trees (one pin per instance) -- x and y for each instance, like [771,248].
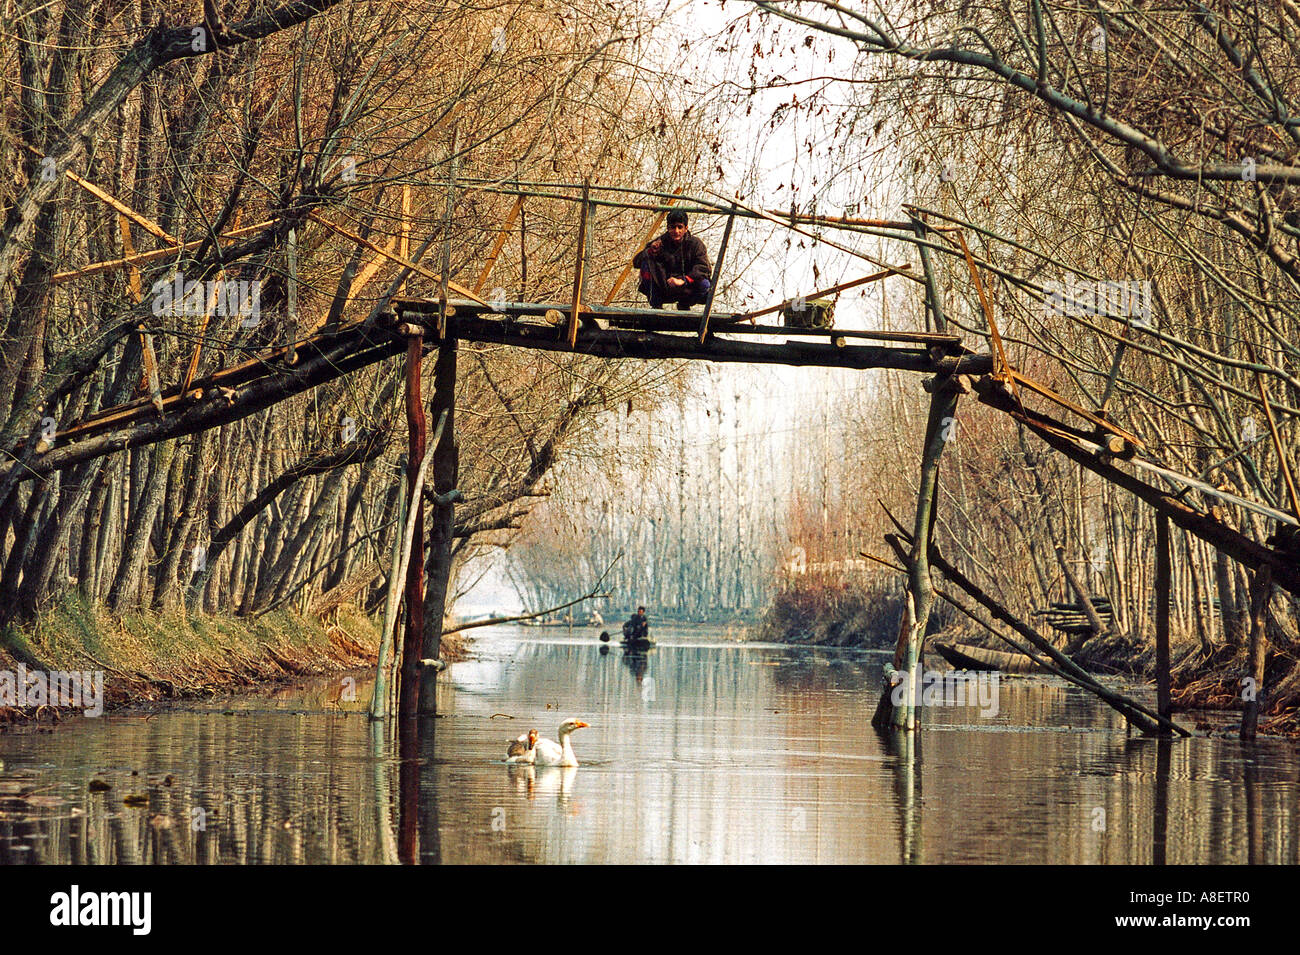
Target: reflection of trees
[730,759]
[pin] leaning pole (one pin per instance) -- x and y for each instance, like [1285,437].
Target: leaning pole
[939,426]
[417,424]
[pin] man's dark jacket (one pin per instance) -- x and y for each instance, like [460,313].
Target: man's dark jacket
[686,259]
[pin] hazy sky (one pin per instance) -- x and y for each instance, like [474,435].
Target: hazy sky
[766,165]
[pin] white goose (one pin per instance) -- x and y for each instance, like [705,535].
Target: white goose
[523,749]
[550,753]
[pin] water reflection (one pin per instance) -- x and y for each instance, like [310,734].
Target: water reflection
[699,751]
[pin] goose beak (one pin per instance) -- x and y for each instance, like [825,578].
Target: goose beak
[580,725]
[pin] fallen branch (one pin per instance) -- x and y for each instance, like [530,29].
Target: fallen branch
[595,592]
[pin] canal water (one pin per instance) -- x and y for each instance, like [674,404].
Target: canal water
[704,750]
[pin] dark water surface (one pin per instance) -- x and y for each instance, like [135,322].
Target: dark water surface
[704,750]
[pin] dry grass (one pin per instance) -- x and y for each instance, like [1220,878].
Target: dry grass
[151,656]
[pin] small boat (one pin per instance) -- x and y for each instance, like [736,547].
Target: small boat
[637,644]
[963,656]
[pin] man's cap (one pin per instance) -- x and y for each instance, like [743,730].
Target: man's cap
[677,216]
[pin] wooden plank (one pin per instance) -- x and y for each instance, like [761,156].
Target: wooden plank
[394,257]
[875,276]
[193,368]
[578,269]
[717,274]
[149,360]
[998,350]
[143,258]
[408,685]
[499,244]
[650,234]
[122,208]
[147,224]
[787,223]
[128,250]
[405,250]
[723,326]
[366,274]
[1039,389]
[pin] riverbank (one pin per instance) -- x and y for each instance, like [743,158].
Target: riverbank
[845,616]
[151,657]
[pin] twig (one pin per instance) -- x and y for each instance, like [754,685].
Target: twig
[529,616]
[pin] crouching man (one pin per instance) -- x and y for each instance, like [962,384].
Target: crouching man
[675,267]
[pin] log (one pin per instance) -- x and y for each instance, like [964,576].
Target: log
[965,656]
[350,588]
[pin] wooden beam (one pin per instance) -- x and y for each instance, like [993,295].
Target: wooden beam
[379,704]
[498,245]
[442,519]
[394,257]
[149,360]
[667,321]
[649,235]
[128,250]
[717,274]
[404,249]
[143,258]
[363,278]
[446,230]
[1016,378]
[1277,443]
[998,350]
[579,269]
[122,208]
[875,276]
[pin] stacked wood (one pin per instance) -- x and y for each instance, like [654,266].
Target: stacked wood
[1071,618]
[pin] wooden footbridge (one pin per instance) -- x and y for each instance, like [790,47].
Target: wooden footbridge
[416,326]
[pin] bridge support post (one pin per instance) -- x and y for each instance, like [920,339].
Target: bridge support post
[417,426]
[442,519]
[920,594]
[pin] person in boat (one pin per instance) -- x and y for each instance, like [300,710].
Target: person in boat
[675,267]
[637,628]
